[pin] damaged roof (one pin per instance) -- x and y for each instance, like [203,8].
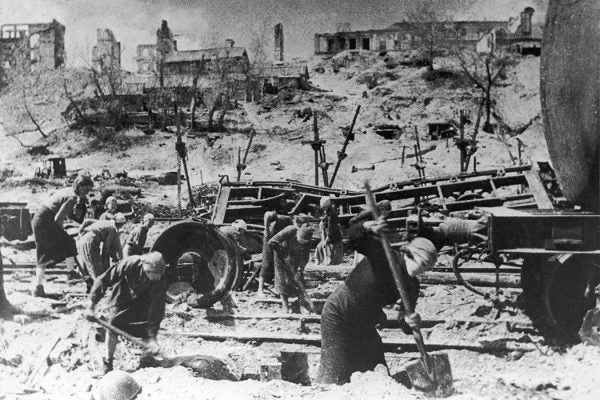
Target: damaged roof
[206,54]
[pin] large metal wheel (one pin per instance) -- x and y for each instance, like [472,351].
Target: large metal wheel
[554,292]
[201,255]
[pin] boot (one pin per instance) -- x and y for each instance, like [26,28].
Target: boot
[39,291]
[107,365]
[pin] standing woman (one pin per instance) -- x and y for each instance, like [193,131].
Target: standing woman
[53,244]
[330,250]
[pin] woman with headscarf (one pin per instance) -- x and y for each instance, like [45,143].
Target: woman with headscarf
[330,250]
[110,206]
[98,243]
[53,244]
[274,223]
[136,303]
[349,338]
[134,245]
[291,250]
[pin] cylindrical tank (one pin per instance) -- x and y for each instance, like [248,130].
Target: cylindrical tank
[570,94]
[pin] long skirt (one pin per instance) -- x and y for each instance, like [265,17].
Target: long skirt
[53,244]
[349,340]
[89,247]
[285,269]
[329,254]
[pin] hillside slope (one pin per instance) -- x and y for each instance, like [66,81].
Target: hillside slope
[387,93]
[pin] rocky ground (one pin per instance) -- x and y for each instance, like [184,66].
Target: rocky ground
[513,362]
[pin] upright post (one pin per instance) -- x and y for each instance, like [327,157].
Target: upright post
[342,153]
[316,150]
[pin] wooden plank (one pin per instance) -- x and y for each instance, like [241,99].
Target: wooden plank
[221,205]
[536,187]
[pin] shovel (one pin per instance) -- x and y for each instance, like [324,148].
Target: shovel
[431,373]
[207,366]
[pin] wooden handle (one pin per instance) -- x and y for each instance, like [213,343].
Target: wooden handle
[398,271]
[122,333]
[400,277]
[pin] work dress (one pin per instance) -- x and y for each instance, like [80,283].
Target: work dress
[330,250]
[53,244]
[274,223]
[290,257]
[98,243]
[349,338]
[134,246]
[136,304]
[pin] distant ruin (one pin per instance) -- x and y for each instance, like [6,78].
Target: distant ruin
[107,52]
[518,35]
[39,45]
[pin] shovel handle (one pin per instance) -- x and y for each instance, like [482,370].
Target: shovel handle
[400,276]
[122,333]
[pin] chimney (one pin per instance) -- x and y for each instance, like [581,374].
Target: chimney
[526,21]
[278,56]
[229,42]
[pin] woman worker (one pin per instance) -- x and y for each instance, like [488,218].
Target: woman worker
[53,244]
[98,243]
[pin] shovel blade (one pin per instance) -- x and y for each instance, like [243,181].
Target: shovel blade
[439,382]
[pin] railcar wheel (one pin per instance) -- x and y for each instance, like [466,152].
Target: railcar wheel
[199,254]
[555,295]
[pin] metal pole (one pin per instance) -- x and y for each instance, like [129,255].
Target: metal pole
[341,153]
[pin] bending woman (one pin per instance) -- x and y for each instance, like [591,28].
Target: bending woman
[53,244]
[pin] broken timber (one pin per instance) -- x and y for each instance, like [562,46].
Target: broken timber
[250,200]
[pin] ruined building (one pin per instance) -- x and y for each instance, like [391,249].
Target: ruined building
[522,36]
[107,52]
[162,64]
[405,36]
[280,74]
[213,61]
[150,57]
[408,36]
[40,46]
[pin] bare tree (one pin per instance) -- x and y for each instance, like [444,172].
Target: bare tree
[485,71]
[432,29]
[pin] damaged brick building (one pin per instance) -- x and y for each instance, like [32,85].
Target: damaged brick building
[164,54]
[179,68]
[279,73]
[40,45]
[522,36]
[107,52]
[408,36]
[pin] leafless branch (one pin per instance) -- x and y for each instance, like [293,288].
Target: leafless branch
[37,126]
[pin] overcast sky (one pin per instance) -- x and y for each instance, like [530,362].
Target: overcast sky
[202,23]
